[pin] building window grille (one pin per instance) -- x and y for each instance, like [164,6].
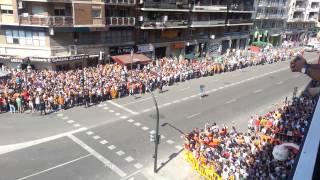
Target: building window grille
[25,37]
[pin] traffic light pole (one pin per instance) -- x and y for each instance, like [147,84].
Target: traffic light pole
[157,139]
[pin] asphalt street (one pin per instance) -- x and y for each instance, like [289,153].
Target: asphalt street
[111,140]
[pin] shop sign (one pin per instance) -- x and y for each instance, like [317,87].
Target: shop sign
[17,60]
[120,50]
[178,45]
[58,59]
[5,57]
[145,48]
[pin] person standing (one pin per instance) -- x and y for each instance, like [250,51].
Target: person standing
[11,105]
[42,107]
[19,104]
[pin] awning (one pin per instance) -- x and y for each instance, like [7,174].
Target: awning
[136,59]
[275,34]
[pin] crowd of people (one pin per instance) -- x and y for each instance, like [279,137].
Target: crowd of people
[248,155]
[47,91]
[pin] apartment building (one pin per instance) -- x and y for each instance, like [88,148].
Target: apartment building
[63,34]
[171,28]
[303,17]
[270,21]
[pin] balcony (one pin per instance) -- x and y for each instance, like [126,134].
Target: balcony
[297,19]
[51,21]
[239,22]
[210,23]
[209,8]
[151,6]
[314,18]
[241,8]
[170,24]
[300,8]
[121,21]
[121,2]
[314,9]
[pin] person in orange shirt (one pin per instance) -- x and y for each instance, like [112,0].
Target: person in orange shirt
[61,102]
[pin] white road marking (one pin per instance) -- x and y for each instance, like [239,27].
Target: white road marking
[76,125]
[70,121]
[120,153]
[118,114]
[14,147]
[144,128]
[111,147]
[103,142]
[280,82]
[130,120]
[162,137]
[152,132]
[65,118]
[193,115]
[193,96]
[100,105]
[60,115]
[55,167]
[146,110]
[130,175]
[170,141]
[178,147]
[184,89]
[105,161]
[129,159]
[137,124]
[112,111]
[176,101]
[186,98]
[89,133]
[105,108]
[124,117]
[138,165]
[96,137]
[257,91]
[231,101]
[122,107]
[167,104]
[133,102]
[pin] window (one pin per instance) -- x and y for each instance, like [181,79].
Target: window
[59,11]
[96,12]
[6,9]
[25,37]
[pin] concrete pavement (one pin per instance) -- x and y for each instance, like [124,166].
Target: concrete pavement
[114,142]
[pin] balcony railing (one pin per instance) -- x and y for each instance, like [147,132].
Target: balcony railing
[239,21]
[209,8]
[121,2]
[162,25]
[300,8]
[241,8]
[297,18]
[165,6]
[46,20]
[217,22]
[121,21]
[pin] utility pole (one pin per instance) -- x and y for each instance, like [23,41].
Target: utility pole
[155,139]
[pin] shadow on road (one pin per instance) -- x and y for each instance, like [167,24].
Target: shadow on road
[172,156]
[172,126]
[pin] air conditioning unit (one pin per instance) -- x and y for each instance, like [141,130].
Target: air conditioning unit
[141,2]
[140,18]
[25,14]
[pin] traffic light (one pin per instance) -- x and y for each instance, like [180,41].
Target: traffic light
[152,137]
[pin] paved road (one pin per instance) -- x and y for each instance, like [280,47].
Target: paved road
[111,140]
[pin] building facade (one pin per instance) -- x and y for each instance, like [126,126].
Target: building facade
[270,21]
[303,17]
[64,34]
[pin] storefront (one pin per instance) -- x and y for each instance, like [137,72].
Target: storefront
[177,49]
[146,49]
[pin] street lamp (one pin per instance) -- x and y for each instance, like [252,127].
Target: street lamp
[156,139]
[131,54]
[202,46]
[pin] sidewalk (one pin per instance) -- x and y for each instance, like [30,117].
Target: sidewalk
[176,169]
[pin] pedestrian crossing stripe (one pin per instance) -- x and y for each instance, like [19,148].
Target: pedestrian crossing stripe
[137,124]
[138,165]
[76,125]
[89,132]
[104,142]
[70,121]
[129,159]
[96,137]
[120,153]
[145,128]
[130,120]
[111,147]
[170,141]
